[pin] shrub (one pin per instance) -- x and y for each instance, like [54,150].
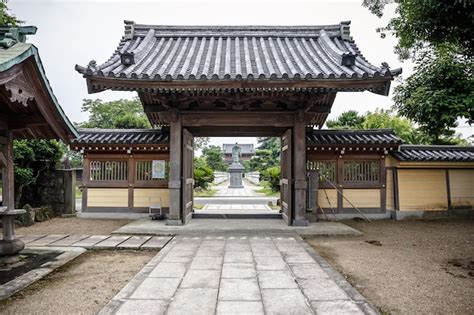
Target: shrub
[272,176]
[203,174]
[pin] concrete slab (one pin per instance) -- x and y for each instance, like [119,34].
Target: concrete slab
[193,284]
[201,279]
[90,241]
[235,227]
[143,307]
[111,242]
[156,242]
[30,238]
[240,308]
[285,301]
[276,279]
[336,307]
[193,301]
[134,242]
[48,239]
[68,241]
[239,290]
[152,288]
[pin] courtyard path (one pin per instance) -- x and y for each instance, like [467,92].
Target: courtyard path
[238,275]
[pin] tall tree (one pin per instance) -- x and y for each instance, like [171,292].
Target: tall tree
[272,144]
[121,114]
[437,34]
[350,119]
[214,158]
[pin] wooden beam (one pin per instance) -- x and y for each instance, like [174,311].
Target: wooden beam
[26,122]
[175,180]
[270,119]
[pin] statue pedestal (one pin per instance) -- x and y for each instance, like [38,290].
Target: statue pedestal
[10,246]
[236,171]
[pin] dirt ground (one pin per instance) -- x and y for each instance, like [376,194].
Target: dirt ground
[73,226]
[408,267]
[82,287]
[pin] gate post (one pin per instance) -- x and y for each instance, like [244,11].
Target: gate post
[174,183]
[299,167]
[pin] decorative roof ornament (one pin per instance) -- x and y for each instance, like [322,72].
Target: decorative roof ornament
[10,36]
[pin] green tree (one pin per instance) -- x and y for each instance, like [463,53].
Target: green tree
[437,34]
[33,158]
[214,158]
[7,19]
[440,91]
[350,119]
[262,160]
[121,114]
[272,175]
[203,174]
[270,143]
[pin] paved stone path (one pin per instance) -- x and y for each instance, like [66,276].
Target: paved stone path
[247,191]
[238,275]
[97,241]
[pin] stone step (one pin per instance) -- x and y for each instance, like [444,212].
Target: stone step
[237,216]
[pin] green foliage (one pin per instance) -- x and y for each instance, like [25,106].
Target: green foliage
[32,159]
[438,35]
[272,176]
[201,142]
[214,158]
[350,119]
[429,23]
[262,160]
[203,174]
[440,91]
[272,144]
[7,19]
[386,119]
[121,114]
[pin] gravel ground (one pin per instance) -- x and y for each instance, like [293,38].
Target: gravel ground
[73,226]
[82,287]
[419,267]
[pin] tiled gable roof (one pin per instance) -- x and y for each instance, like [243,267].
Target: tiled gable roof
[434,153]
[120,137]
[353,137]
[167,53]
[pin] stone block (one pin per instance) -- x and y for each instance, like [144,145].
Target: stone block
[142,307]
[156,288]
[206,263]
[68,241]
[322,290]
[48,239]
[270,263]
[308,271]
[169,270]
[336,307]
[156,242]
[134,242]
[193,301]
[240,308]
[111,242]
[238,271]
[284,302]
[179,256]
[201,279]
[298,258]
[90,241]
[239,290]
[276,279]
[238,257]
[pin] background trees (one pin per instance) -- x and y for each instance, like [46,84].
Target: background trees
[120,114]
[214,158]
[437,35]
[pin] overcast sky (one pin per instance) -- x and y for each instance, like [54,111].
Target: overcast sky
[74,32]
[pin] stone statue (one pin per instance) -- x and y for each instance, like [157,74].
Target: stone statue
[236,154]
[236,169]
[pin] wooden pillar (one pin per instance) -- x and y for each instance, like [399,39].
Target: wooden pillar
[299,171]
[8,189]
[175,180]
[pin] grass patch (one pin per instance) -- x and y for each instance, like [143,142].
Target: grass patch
[198,207]
[267,190]
[205,192]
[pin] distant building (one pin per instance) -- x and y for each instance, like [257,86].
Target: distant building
[246,151]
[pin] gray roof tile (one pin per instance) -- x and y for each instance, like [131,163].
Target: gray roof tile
[328,137]
[120,137]
[167,53]
[434,153]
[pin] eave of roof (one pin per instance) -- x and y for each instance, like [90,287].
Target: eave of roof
[434,153]
[209,54]
[120,137]
[17,54]
[353,138]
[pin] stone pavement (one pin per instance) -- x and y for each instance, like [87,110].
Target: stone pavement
[238,275]
[97,241]
[248,191]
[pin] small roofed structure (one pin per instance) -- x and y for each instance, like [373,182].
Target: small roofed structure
[28,107]
[28,110]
